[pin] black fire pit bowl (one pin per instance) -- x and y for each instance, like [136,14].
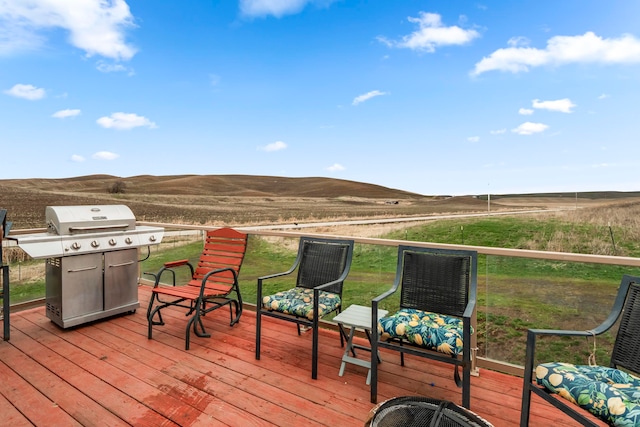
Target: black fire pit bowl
[417,411]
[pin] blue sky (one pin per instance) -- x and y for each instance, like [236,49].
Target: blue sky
[433,97]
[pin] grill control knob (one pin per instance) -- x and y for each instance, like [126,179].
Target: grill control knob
[128,241]
[152,238]
[112,242]
[95,244]
[76,245]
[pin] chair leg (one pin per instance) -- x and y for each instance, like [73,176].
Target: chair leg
[187,335]
[374,369]
[466,386]
[232,304]
[366,331]
[195,321]
[258,325]
[527,380]
[151,313]
[238,303]
[314,356]
[150,306]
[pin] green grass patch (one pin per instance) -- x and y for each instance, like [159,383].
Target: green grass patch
[514,294]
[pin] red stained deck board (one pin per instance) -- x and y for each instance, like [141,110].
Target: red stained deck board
[254,380]
[328,393]
[92,378]
[419,377]
[112,368]
[94,357]
[82,408]
[11,416]
[192,372]
[26,398]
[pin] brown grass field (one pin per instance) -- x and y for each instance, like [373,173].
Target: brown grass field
[254,200]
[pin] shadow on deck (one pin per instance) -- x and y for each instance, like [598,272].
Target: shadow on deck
[108,373]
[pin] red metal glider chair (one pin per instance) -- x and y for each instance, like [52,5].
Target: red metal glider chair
[213,284]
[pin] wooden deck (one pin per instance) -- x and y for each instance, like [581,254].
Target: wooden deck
[109,374]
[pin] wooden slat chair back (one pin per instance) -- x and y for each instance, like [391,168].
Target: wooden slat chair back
[438,283]
[213,284]
[223,250]
[322,266]
[609,394]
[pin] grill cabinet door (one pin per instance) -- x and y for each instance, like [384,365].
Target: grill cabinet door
[120,278]
[74,287]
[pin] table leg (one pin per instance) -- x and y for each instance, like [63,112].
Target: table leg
[343,335]
[349,347]
[366,331]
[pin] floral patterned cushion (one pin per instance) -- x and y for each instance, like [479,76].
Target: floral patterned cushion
[425,329]
[299,302]
[610,394]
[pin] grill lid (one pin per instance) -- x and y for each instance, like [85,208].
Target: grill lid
[68,220]
[75,230]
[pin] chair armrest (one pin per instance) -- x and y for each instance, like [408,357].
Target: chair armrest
[468,311]
[385,294]
[563,333]
[271,276]
[172,264]
[168,267]
[328,284]
[267,277]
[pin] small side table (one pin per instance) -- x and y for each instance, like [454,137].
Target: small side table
[356,316]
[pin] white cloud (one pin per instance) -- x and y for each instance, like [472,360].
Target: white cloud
[77,158]
[277,8]
[63,114]
[125,121]
[498,132]
[367,96]
[603,96]
[518,41]
[560,50]
[95,26]
[473,139]
[274,146]
[431,34]
[336,167]
[561,105]
[29,92]
[106,67]
[525,111]
[105,155]
[529,128]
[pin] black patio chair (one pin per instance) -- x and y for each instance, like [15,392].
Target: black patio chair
[610,393]
[322,266]
[437,294]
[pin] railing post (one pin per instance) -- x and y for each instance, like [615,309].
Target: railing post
[475,371]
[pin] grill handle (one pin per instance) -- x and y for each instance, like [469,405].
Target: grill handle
[121,264]
[82,269]
[104,227]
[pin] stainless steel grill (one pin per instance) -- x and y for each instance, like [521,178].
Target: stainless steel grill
[91,261]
